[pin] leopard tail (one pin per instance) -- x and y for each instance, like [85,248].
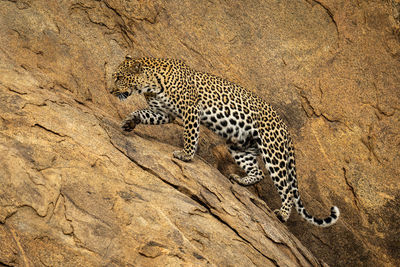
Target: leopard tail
[328,221]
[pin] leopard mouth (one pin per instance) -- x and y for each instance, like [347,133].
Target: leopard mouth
[123,96]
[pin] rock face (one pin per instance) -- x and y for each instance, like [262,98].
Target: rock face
[76,191]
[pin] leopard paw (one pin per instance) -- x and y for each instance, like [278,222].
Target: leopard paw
[280,216]
[129,124]
[181,155]
[234,178]
[246,180]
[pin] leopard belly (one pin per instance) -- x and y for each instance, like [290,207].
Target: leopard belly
[232,129]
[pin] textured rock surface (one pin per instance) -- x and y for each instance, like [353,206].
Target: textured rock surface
[75,191]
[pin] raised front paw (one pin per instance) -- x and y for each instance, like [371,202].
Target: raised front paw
[181,155]
[129,124]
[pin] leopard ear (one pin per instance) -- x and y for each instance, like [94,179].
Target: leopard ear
[128,57]
[136,67]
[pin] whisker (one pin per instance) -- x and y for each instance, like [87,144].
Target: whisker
[123,96]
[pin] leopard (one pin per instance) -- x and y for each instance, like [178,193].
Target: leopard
[251,127]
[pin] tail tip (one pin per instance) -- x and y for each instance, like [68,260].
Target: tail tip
[335,213]
[332,219]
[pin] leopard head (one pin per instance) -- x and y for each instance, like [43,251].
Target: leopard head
[133,76]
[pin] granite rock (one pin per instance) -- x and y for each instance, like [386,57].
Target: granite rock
[75,190]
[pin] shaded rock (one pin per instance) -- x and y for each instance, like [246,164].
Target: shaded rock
[75,191]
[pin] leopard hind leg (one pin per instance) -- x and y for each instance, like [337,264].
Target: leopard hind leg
[275,157]
[246,158]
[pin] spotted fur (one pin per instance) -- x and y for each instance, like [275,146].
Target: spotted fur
[250,126]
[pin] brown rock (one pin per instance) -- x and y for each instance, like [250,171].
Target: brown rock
[75,191]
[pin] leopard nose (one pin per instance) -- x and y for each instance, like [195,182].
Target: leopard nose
[112,90]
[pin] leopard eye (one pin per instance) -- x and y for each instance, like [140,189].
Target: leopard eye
[136,68]
[117,76]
